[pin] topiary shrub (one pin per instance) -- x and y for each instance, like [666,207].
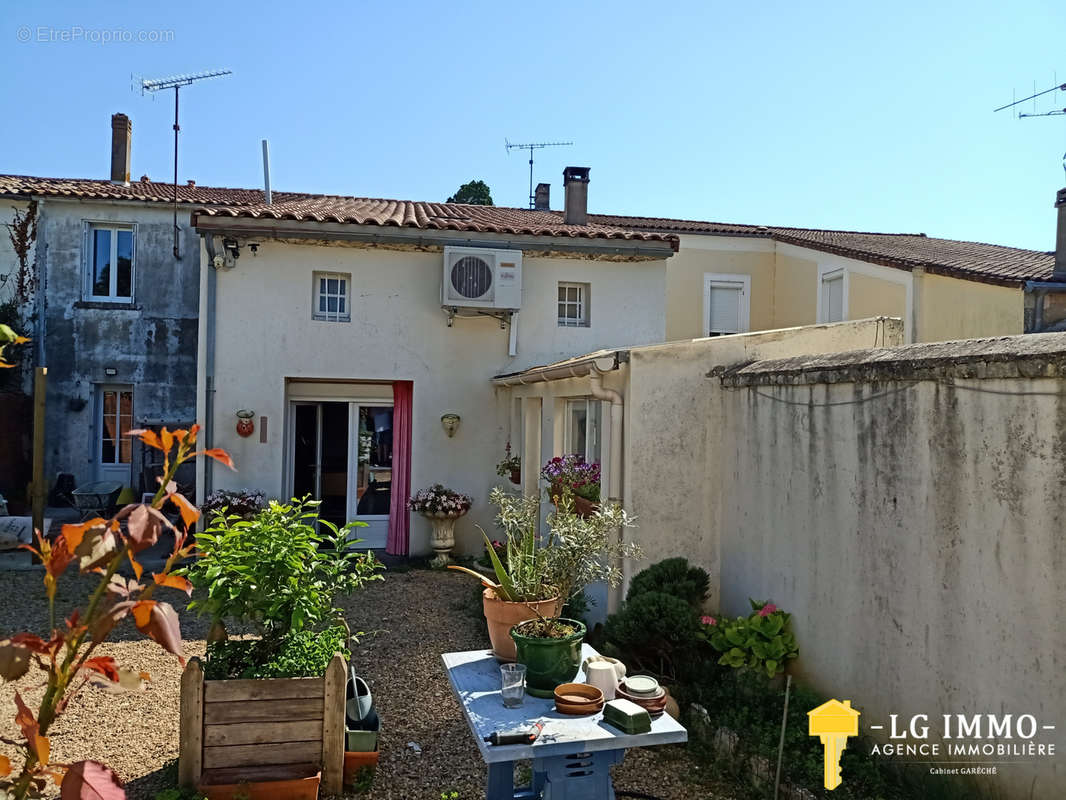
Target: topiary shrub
[673,576]
[656,632]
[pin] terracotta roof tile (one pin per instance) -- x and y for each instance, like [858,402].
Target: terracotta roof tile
[990,263]
[970,260]
[222,202]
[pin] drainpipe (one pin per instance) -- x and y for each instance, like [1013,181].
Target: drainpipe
[614,488]
[209,363]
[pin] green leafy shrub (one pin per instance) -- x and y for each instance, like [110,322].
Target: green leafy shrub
[277,571]
[300,654]
[673,576]
[655,631]
[760,641]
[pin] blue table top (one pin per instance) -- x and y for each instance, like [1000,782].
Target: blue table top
[475,679]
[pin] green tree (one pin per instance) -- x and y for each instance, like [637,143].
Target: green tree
[475,193]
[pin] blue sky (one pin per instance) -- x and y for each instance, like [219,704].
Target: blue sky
[837,115]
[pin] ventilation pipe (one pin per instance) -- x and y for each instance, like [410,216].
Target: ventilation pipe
[266,172]
[1060,237]
[576,195]
[614,487]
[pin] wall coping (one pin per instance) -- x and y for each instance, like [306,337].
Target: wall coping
[1041,355]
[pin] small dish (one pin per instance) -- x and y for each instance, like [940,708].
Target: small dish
[578,699]
[643,686]
[653,705]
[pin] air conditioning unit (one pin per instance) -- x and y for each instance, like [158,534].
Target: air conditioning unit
[476,277]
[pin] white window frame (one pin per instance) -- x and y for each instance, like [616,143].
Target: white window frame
[827,275]
[89,267]
[584,296]
[726,280]
[316,296]
[593,426]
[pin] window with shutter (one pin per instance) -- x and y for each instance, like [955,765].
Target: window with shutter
[725,304]
[833,297]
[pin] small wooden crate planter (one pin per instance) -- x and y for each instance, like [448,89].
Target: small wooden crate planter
[240,731]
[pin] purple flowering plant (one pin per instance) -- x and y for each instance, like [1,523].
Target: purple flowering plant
[438,499]
[574,473]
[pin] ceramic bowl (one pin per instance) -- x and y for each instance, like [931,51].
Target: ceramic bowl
[643,686]
[653,705]
[578,699]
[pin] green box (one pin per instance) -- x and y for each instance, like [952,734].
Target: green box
[627,716]
[362,741]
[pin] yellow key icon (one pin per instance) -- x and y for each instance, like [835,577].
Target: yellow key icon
[833,722]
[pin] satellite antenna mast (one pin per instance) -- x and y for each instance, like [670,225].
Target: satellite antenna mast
[1055,112]
[175,82]
[531,147]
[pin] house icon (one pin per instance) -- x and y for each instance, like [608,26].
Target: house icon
[833,722]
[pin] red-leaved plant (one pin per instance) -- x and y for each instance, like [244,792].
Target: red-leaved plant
[68,657]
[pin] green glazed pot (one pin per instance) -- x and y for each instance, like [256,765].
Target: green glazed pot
[549,662]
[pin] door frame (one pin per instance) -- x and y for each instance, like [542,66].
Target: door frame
[102,470]
[378,523]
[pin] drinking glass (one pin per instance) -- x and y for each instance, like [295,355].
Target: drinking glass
[513,680]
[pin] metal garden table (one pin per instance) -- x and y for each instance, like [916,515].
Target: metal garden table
[573,755]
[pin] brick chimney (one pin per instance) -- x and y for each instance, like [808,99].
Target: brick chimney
[121,136]
[1060,237]
[576,195]
[542,197]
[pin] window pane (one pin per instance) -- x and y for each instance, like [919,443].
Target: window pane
[562,293]
[322,285]
[107,451]
[343,286]
[331,306]
[101,265]
[577,428]
[322,303]
[331,286]
[340,305]
[124,278]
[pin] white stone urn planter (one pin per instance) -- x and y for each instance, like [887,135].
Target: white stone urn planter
[443,537]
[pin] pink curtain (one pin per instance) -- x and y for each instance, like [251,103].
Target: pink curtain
[399,540]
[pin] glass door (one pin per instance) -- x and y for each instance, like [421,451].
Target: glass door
[341,454]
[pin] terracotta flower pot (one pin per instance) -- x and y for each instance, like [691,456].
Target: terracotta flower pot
[501,616]
[305,788]
[582,507]
[516,476]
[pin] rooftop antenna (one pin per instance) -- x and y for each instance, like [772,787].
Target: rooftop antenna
[175,82]
[1055,112]
[531,147]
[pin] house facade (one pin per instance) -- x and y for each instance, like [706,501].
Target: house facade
[333,325]
[738,278]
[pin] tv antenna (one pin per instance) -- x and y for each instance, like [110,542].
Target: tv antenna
[175,82]
[531,147]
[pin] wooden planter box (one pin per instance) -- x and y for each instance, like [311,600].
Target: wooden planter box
[247,731]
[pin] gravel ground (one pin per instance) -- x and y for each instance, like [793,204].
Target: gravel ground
[411,618]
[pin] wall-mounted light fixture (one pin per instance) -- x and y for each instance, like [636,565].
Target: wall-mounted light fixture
[245,424]
[450,423]
[110,372]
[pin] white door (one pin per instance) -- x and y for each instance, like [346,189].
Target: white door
[341,453]
[114,421]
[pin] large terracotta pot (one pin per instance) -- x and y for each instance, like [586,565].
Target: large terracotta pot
[501,616]
[582,507]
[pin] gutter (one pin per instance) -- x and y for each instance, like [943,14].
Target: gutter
[573,369]
[209,361]
[418,237]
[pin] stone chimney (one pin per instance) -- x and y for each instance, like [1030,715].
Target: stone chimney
[121,136]
[1060,238]
[576,195]
[542,197]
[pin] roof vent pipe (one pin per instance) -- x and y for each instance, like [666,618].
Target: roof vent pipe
[1060,238]
[266,171]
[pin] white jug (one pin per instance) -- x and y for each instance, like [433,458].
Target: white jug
[603,676]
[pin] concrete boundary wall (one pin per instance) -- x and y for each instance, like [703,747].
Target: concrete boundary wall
[907,505]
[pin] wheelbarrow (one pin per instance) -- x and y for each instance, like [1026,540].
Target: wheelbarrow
[95,499]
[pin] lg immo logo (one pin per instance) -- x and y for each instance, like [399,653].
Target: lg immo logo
[957,747]
[833,722]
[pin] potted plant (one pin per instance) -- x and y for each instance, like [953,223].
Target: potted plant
[245,503]
[523,586]
[572,475]
[277,573]
[580,550]
[442,507]
[511,466]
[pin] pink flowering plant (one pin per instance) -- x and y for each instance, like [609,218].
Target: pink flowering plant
[760,641]
[438,499]
[573,473]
